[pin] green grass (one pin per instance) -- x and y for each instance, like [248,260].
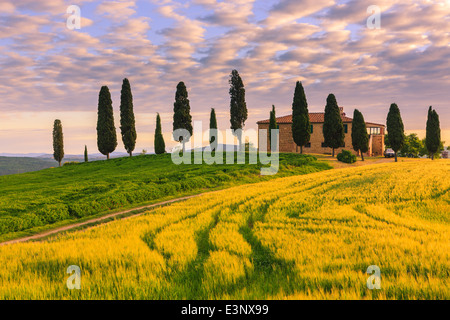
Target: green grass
[36,201]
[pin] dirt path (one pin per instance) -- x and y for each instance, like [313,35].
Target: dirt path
[99,219]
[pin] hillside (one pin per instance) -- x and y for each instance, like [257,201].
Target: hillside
[35,201]
[310,236]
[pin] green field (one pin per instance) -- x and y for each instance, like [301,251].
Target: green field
[32,202]
[301,237]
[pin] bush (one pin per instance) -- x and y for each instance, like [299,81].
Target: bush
[346,156]
[70,163]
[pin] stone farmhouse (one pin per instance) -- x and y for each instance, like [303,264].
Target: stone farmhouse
[316,145]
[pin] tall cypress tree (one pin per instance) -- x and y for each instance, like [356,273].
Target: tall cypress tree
[433,135]
[301,127]
[58,141]
[360,137]
[213,126]
[394,126]
[238,106]
[85,154]
[160,146]
[106,130]
[182,114]
[272,125]
[333,128]
[127,121]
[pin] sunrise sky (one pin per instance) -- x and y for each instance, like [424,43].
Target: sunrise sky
[50,72]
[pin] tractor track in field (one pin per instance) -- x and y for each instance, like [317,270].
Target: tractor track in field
[51,232]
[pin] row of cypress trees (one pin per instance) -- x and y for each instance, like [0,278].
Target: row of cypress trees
[182,119]
[333,128]
[106,130]
[238,111]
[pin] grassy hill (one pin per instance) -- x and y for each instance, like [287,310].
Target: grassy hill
[35,201]
[310,236]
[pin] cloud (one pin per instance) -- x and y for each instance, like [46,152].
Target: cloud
[287,11]
[47,68]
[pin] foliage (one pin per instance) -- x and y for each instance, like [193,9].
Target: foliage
[58,141]
[433,135]
[272,125]
[303,237]
[97,187]
[127,121]
[301,128]
[424,150]
[106,130]
[182,113]
[360,137]
[412,147]
[85,154]
[238,106]
[160,145]
[346,156]
[333,128]
[394,126]
[212,126]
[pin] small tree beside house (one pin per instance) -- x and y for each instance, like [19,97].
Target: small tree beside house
[333,128]
[360,137]
[272,125]
[433,133]
[395,128]
[301,128]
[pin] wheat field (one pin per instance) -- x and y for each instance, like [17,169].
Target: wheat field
[300,237]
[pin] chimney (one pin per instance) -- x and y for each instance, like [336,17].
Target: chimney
[341,109]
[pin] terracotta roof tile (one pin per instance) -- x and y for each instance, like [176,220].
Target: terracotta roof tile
[315,117]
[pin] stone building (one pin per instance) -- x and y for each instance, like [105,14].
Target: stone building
[316,144]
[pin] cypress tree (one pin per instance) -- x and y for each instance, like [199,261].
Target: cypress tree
[360,137]
[238,106]
[433,135]
[58,143]
[333,128]
[212,126]
[160,146]
[301,127]
[127,121]
[181,113]
[85,154]
[106,130]
[272,125]
[394,126]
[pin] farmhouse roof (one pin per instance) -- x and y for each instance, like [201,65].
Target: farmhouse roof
[314,117]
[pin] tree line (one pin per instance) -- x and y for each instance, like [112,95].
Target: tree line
[182,119]
[333,128]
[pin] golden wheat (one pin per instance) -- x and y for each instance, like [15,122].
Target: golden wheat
[310,236]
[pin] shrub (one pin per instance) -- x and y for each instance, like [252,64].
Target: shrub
[346,156]
[70,163]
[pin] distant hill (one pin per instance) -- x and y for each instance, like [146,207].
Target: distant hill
[13,165]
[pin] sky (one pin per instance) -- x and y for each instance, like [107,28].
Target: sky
[50,72]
